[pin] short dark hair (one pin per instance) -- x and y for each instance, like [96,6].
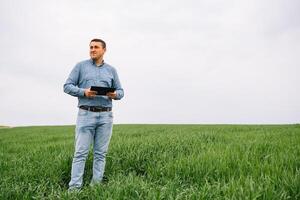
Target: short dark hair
[99,40]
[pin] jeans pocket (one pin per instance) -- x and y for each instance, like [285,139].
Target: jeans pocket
[82,112]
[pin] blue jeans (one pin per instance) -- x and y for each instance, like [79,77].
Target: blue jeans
[96,128]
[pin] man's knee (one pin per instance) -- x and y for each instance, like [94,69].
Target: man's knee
[81,154]
[100,155]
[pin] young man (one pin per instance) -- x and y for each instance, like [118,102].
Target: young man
[95,117]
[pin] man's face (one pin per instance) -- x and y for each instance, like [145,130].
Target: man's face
[96,50]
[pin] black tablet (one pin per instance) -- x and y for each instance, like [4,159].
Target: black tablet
[102,90]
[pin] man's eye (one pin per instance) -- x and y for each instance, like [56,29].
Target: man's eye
[94,47]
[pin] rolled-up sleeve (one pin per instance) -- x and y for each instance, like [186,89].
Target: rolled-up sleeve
[117,85]
[71,85]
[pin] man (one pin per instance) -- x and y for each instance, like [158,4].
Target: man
[95,118]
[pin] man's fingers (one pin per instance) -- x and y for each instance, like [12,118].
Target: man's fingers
[92,91]
[111,95]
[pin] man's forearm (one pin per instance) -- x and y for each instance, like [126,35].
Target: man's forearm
[73,90]
[119,94]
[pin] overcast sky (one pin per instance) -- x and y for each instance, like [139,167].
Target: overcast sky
[184,61]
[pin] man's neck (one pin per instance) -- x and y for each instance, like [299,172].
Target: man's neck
[98,61]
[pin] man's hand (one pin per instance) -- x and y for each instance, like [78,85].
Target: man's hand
[112,95]
[89,93]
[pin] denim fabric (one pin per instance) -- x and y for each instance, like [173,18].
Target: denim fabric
[91,128]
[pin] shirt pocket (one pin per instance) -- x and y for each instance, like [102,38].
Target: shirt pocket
[94,82]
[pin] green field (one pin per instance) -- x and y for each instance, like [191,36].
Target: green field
[157,162]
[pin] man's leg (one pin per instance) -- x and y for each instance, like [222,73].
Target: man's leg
[83,138]
[101,142]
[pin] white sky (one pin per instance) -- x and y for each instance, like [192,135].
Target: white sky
[184,61]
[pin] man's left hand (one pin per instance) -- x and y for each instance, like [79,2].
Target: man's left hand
[112,95]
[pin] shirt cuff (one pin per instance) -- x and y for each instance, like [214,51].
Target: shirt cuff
[81,92]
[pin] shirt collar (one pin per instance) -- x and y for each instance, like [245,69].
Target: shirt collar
[93,62]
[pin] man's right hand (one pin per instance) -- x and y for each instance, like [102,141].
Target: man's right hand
[89,93]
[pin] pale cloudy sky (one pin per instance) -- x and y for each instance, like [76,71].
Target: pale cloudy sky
[184,61]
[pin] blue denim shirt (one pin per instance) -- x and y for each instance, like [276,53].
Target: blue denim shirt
[86,74]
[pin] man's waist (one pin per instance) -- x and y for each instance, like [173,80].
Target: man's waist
[95,108]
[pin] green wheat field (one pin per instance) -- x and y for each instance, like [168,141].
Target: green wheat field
[157,162]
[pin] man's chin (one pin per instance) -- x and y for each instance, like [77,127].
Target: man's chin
[94,58]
